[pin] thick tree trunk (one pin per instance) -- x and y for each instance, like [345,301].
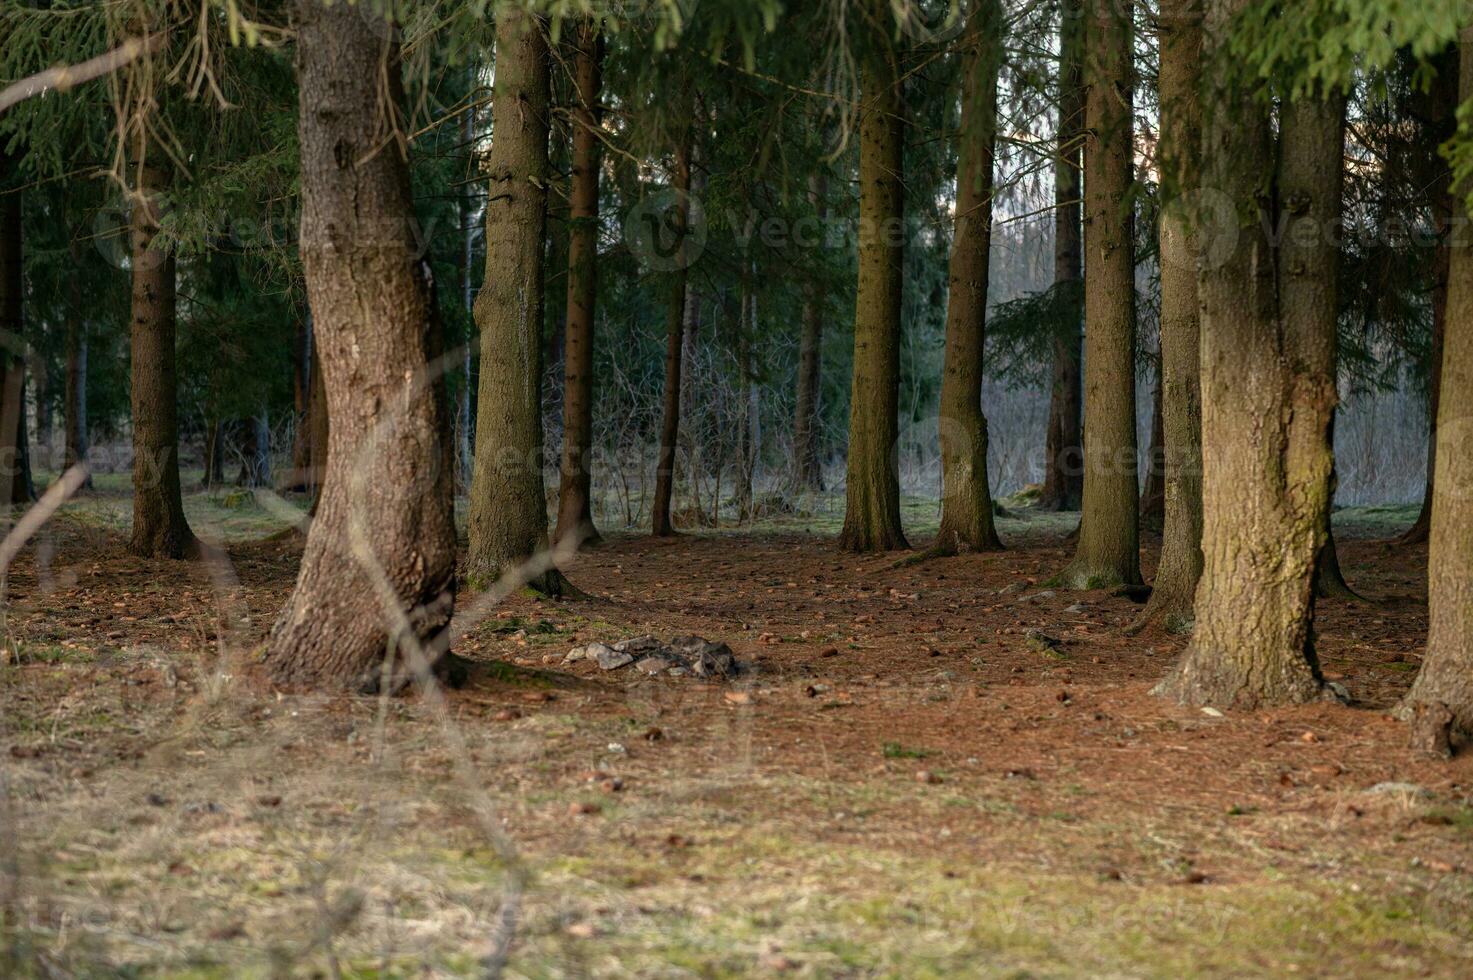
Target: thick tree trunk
[15,480]
[1442,695]
[807,470]
[159,527]
[1108,552]
[575,509]
[1267,399]
[1173,593]
[508,506]
[675,318]
[378,572]
[317,421]
[1063,480]
[74,395]
[872,495]
[966,499]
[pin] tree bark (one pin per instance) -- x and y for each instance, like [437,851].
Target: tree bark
[1267,320]
[676,313]
[378,572]
[15,482]
[807,469]
[1063,481]
[508,506]
[1108,552]
[966,501]
[74,396]
[1442,694]
[320,435]
[159,527]
[1173,593]
[575,509]
[872,494]
[1153,493]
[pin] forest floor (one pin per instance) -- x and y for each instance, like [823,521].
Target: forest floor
[902,786]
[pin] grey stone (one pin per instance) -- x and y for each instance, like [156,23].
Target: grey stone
[611,659]
[639,644]
[654,665]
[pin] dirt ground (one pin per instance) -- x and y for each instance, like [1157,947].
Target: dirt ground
[901,786]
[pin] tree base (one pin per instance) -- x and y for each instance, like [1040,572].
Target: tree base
[1209,678]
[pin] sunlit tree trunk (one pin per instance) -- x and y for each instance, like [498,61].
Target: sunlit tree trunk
[508,506]
[1174,591]
[1440,702]
[966,501]
[807,470]
[872,495]
[1108,550]
[575,510]
[378,571]
[159,527]
[1063,482]
[1268,391]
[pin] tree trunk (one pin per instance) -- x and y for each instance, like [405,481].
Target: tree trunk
[1108,552]
[214,474]
[676,313]
[255,452]
[966,499]
[320,434]
[1153,495]
[1173,593]
[159,527]
[807,470]
[1063,480]
[872,494]
[377,581]
[1443,691]
[465,412]
[15,480]
[508,506]
[575,510]
[1421,528]
[74,397]
[1267,396]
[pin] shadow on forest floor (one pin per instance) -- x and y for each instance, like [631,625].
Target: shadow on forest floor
[902,786]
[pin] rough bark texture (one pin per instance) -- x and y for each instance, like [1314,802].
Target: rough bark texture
[1063,482]
[378,569]
[159,527]
[872,495]
[1108,552]
[508,505]
[966,500]
[318,422]
[1267,402]
[1442,695]
[807,470]
[1174,591]
[15,477]
[675,317]
[575,511]
[301,406]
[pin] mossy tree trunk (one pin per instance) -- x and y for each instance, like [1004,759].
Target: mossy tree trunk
[1174,591]
[872,494]
[1444,687]
[508,506]
[1063,482]
[1108,550]
[1268,390]
[378,570]
[807,470]
[575,509]
[966,500]
[159,527]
